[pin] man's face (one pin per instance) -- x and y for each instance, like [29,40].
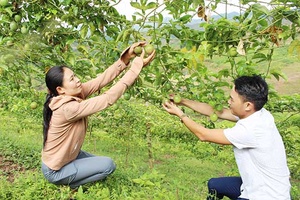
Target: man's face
[71,84]
[237,104]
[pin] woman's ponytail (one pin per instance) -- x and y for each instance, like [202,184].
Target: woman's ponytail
[54,79]
[47,114]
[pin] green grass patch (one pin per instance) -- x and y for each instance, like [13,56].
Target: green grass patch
[164,161]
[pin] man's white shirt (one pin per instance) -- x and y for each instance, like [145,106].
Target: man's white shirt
[261,159]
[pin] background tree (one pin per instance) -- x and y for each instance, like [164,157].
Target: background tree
[89,35]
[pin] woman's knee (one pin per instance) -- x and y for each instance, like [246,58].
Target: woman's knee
[109,163]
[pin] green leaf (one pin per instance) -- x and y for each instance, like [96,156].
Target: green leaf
[71,59]
[149,183]
[277,74]
[260,9]
[8,10]
[65,2]
[160,19]
[291,15]
[151,5]
[138,181]
[75,9]
[71,41]
[263,23]
[82,49]
[83,31]
[185,18]
[3,66]
[294,44]
[154,18]
[198,2]
[244,2]
[259,56]
[136,5]
[246,14]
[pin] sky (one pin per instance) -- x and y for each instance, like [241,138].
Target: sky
[125,8]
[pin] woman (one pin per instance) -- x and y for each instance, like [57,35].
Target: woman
[65,119]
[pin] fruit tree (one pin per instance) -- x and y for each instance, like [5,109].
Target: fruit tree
[89,35]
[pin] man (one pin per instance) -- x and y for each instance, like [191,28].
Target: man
[258,147]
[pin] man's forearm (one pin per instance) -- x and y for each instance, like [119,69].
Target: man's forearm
[202,108]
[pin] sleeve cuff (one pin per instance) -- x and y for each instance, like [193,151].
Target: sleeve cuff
[121,65]
[122,54]
[137,65]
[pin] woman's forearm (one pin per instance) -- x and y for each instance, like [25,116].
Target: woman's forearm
[103,79]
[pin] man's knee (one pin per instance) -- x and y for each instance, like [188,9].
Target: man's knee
[211,184]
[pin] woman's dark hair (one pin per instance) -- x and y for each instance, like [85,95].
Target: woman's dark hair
[253,89]
[54,78]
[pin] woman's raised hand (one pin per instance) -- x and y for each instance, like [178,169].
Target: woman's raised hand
[131,53]
[148,59]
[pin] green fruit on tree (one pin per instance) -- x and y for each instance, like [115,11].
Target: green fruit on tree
[33,105]
[213,117]
[218,95]
[13,26]
[138,50]
[3,2]
[212,103]
[149,48]
[4,17]
[177,98]
[24,30]
[232,52]
[9,43]
[219,107]
[18,18]
[26,46]
[167,86]
[127,96]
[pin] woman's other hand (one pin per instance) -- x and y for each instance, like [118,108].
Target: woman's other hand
[148,59]
[129,53]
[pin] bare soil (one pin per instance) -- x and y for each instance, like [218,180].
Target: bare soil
[292,83]
[9,168]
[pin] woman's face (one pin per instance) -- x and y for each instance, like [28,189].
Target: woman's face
[71,84]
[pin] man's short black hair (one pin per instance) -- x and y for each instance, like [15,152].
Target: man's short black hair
[253,89]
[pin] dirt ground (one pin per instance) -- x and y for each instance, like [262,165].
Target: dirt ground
[9,168]
[292,83]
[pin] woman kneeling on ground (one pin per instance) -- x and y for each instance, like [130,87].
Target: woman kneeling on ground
[66,112]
